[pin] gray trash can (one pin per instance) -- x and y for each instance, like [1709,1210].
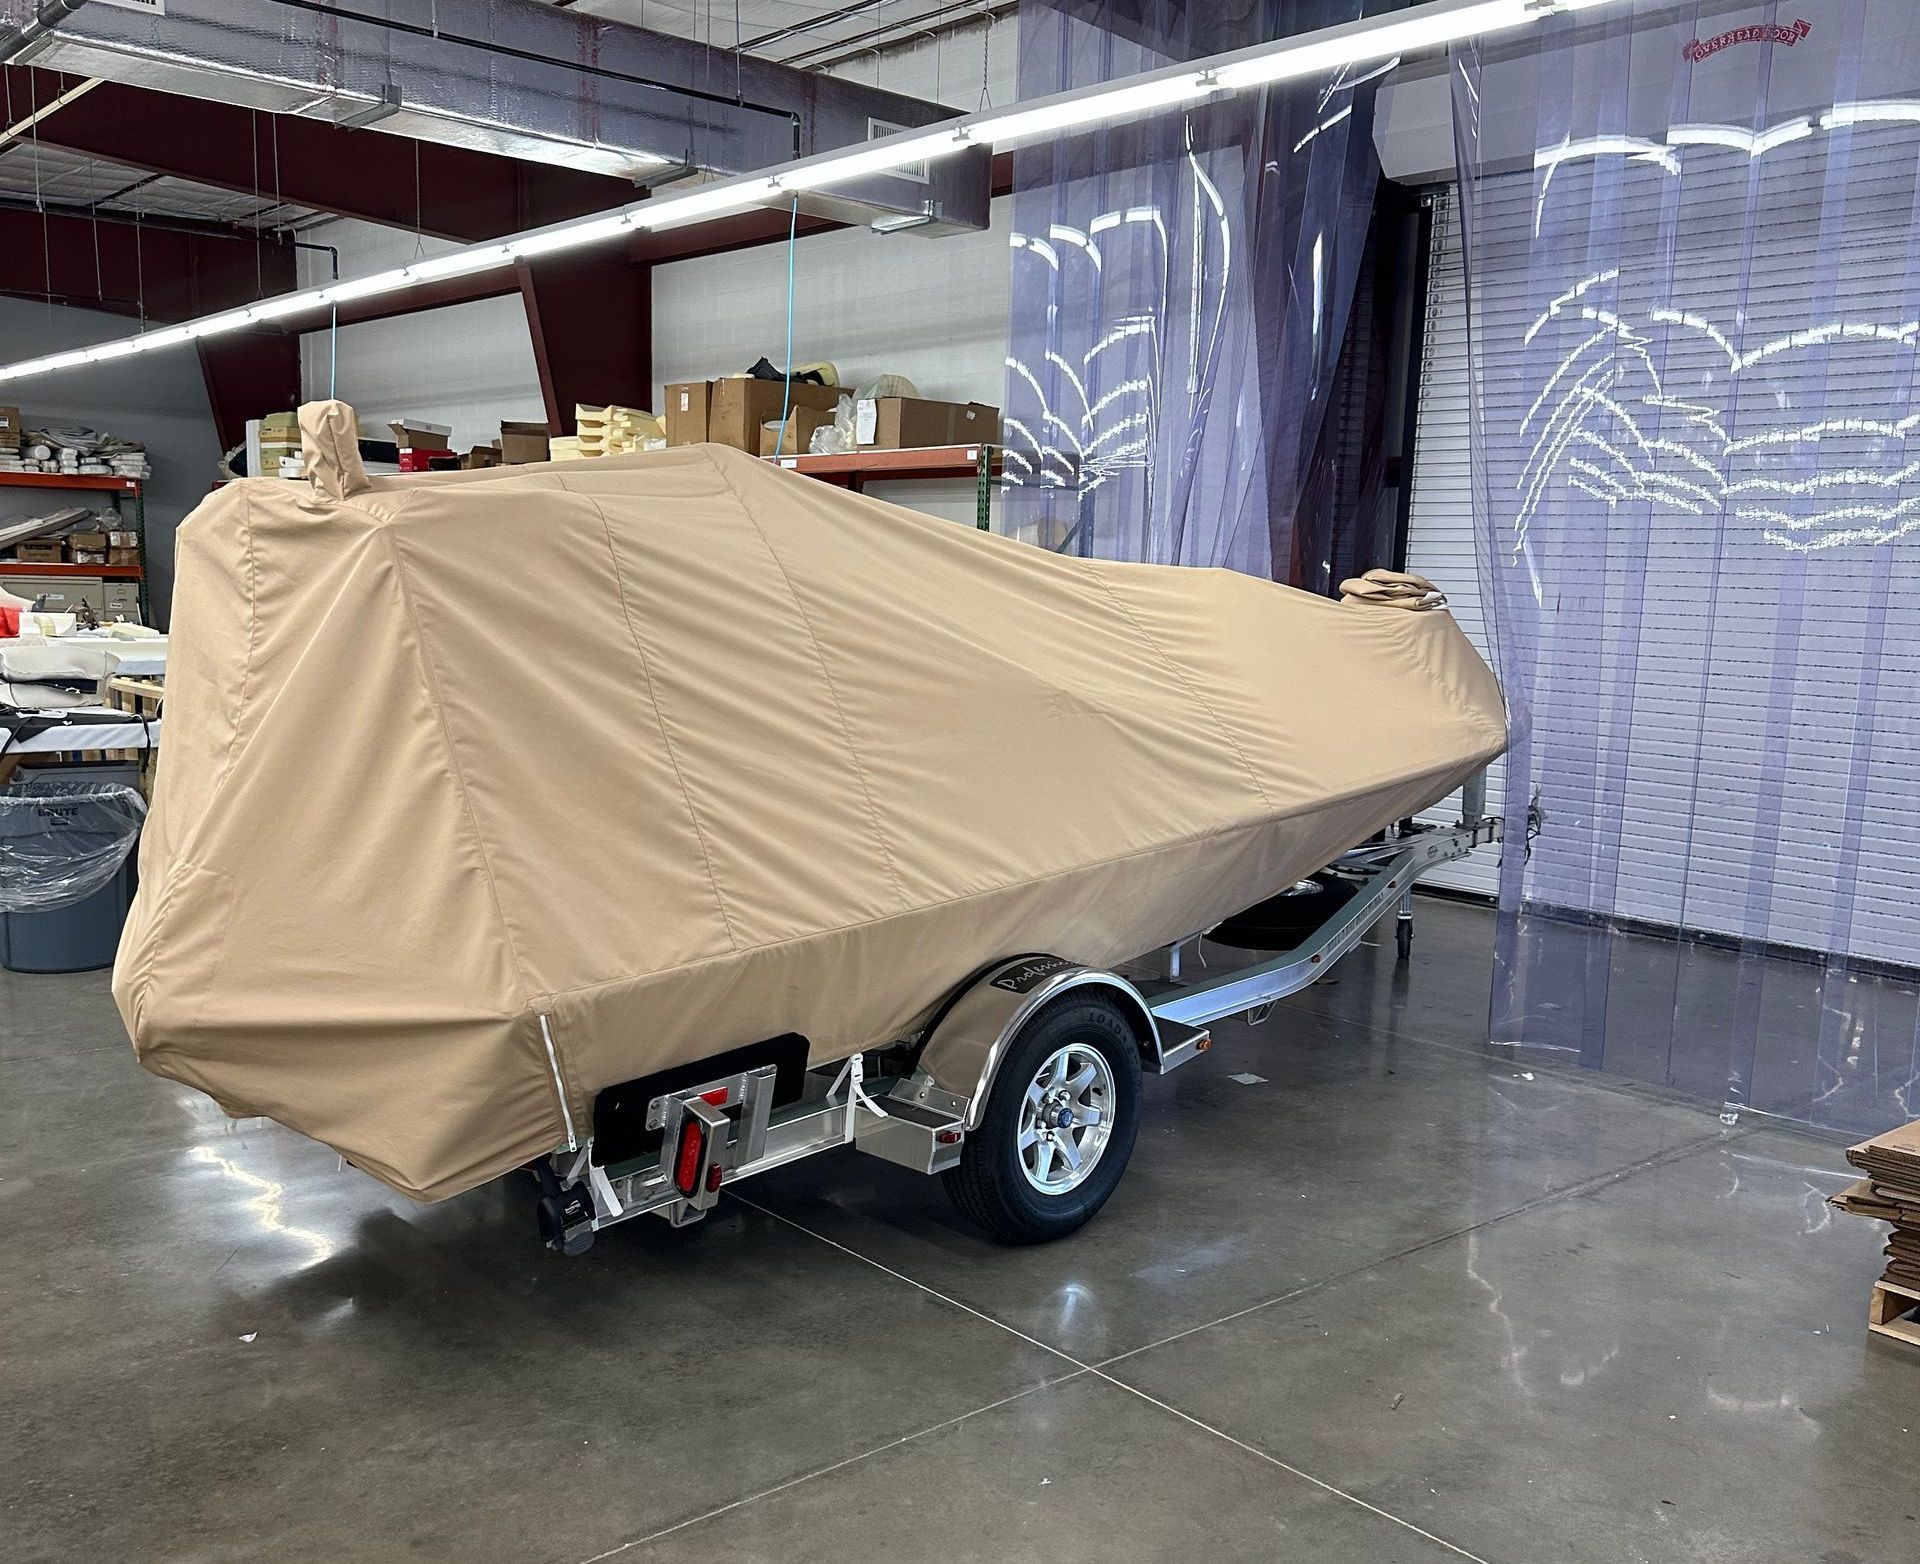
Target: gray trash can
[66,866]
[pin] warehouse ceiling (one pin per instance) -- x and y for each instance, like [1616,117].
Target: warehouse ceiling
[807,34]
[65,181]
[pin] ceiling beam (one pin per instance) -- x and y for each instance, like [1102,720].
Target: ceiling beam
[449,192]
[170,272]
[591,322]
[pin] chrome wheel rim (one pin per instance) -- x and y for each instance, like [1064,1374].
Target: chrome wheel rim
[1066,1119]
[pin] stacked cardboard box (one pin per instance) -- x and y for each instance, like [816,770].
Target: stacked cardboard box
[522,442]
[732,412]
[1890,1193]
[280,446]
[900,423]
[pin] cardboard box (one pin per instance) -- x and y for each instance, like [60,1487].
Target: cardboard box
[737,408]
[416,434]
[41,551]
[686,416]
[800,426]
[522,442]
[89,556]
[10,427]
[87,540]
[123,556]
[899,423]
[480,456]
[123,540]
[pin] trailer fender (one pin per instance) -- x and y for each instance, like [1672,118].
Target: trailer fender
[972,1032]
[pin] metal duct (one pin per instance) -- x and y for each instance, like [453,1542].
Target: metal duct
[513,77]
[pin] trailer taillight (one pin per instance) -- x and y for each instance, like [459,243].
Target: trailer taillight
[718,1096]
[686,1159]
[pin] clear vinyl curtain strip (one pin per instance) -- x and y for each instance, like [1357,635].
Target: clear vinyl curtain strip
[1694,306]
[1181,289]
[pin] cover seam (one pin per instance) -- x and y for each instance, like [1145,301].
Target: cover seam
[152,952]
[660,717]
[833,693]
[1242,829]
[430,675]
[1179,673]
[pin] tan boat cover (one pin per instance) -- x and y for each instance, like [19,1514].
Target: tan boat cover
[661,754]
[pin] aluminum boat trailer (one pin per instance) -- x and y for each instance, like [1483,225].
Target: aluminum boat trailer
[1023,1090]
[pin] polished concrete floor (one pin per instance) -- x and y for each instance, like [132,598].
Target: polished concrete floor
[1366,1293]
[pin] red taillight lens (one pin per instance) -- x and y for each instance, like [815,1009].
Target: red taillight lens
[718,1097]
[713,1178]
[686,1160]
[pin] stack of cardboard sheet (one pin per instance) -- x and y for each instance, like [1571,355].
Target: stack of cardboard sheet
[1890,1193]
[614,430]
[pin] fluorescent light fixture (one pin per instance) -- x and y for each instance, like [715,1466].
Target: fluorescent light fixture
[460,263]
[570,236]
[714,200]
[167,337]
[365,287]
[883,157]
[231,321]
[1367,41]
[288,304]
[1073,111]
[1356,43]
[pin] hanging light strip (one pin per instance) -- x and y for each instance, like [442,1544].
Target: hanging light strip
[1413,30]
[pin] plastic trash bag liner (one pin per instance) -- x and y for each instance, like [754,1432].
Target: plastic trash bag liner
[483,791]
[62,839]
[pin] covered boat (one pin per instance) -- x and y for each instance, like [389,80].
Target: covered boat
[480,792]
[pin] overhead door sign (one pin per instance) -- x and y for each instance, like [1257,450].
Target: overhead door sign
[1788,33]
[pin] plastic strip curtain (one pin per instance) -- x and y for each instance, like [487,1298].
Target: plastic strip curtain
[1180,292]
[1693,247]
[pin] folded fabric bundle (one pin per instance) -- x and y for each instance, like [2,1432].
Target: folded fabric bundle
[1392,589]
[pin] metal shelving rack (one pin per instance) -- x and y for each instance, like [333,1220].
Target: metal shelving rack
[122,490]
[856,469]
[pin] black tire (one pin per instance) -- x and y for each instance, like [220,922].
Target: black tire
[1403,937]
[990,1185]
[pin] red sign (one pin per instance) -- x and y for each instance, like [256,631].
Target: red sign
[1788,33]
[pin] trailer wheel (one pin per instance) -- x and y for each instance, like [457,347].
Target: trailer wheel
[1059,1126]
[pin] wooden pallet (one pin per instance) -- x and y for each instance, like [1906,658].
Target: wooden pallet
[1895,1312]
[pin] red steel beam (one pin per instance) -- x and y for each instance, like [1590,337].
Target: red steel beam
[446,191]
[591,321]
[164,273]
[249,374]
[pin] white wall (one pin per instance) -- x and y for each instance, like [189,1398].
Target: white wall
[934,310]
[157,398]
[469,365]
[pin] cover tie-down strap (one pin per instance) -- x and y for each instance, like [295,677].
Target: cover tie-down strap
[1392,589]
[330,442]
